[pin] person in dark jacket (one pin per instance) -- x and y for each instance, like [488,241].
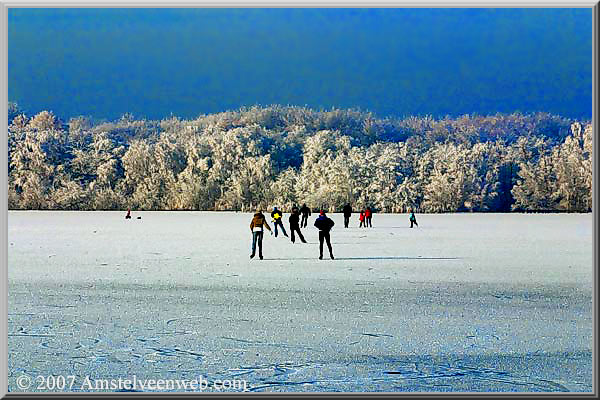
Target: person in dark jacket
[324,225]
[277,218]
[347,214]
[257,225]
[295,225]
[413,219]
[305,211]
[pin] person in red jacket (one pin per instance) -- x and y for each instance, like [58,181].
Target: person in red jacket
[368,216]
[361,217]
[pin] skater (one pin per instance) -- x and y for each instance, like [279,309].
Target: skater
[294,225]
[368,216]
[413,219]
[277,217]
[361,218]
[257,225]
[128,216]
[347,214]
[324,225]
[305,211]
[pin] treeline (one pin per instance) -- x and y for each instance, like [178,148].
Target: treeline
[283,155]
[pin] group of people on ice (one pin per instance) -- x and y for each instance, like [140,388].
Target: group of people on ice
[259,223]
[299,219]
[365,216]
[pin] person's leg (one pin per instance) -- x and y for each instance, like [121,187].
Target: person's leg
[411,223]
[301,236]
[283,229]
[275,224]
[260,238]
[321,237]
[328,239]
[253,244]
[292,229]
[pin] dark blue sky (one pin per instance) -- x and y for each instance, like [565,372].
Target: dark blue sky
[396,62]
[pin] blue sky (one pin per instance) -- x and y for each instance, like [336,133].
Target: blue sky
[393,62]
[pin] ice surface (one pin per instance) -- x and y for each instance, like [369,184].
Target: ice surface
[464,302]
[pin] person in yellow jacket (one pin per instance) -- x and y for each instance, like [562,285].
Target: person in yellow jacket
[277,216]
[257,225]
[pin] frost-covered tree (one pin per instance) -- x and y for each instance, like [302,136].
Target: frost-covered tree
[249,185]
[283,190]
[573,172]
[281,155]
[536,190]
[452,179]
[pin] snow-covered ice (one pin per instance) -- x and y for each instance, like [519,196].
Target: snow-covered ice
[464,302]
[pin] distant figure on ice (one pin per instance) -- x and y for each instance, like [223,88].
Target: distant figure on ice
[257,226]
[413,219]
[277,216]
[368,217]
[347,214]
[128,216]
[305,211]
[361,218]
[295,225]
[324,225]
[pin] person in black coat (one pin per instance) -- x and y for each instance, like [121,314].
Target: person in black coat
[295,225]
[305,211]
[324,225]
[347,214]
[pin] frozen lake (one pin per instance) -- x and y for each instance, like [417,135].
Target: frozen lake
[465,302]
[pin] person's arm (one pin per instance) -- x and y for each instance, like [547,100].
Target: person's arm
[252,225]
[267,225]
